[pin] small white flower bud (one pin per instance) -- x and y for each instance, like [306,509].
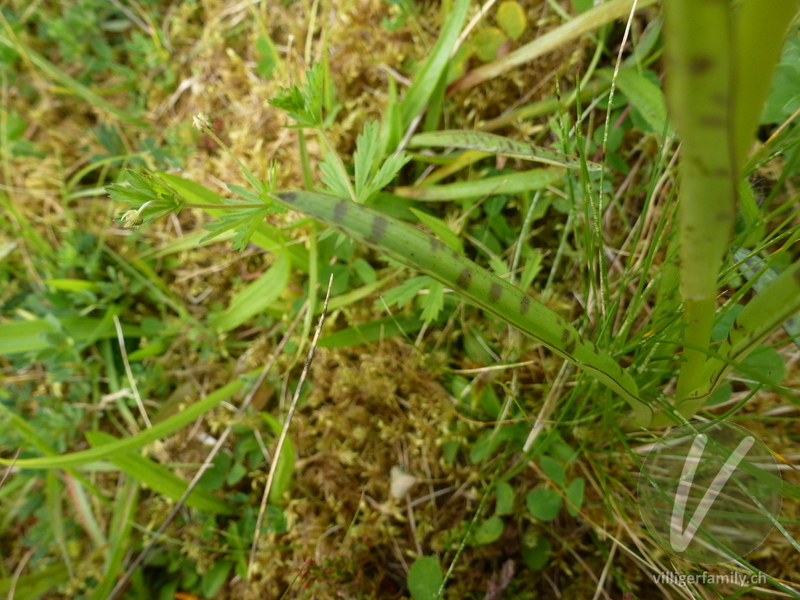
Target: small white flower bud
[131,219]
[201,121]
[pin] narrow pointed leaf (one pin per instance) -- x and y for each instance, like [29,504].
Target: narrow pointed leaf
[158,478]
[29,336]
[108,451]
[496,144]
[771,308]
[425,80]
[512,183]
[750,268]
[256,297]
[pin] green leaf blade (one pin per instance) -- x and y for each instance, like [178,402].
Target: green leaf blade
[425,578]
[255,297]
[511,183]
[544,504]
[425,80]
[496,144]
[108,451]
[158,478]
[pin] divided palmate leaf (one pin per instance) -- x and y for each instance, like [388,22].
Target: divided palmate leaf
[333,178]
[243,222]
[304,106]
[367,153]
[147,194]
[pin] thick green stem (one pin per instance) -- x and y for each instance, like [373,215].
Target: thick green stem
[720,56]
[778,301]
[700,100]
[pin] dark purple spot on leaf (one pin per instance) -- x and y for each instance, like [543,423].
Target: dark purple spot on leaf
[464,278]
[379,225]
[700,65]
[340,210]
[525,304]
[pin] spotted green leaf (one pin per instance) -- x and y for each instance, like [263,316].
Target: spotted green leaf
[410,246]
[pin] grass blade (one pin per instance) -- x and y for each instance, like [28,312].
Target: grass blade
[117,448]
[426,78]
[119,532]
[84,510]
[37,584]
[256,297]
[27,431]
[55,514]
[29,336]
[584,23]
[68,82]
[159,478]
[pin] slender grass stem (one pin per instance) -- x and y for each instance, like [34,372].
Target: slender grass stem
[220,206]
